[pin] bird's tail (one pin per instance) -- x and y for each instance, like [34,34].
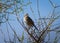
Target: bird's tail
[36,28]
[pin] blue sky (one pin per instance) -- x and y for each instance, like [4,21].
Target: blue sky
[44,7]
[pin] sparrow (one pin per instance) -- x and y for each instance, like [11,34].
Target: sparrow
[29,21]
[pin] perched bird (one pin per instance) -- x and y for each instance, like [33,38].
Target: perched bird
[29,21]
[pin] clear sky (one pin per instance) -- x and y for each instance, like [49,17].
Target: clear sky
[44,7]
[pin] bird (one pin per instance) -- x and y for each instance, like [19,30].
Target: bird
[29,21]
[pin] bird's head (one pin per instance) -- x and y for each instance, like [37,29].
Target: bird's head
[26,15]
